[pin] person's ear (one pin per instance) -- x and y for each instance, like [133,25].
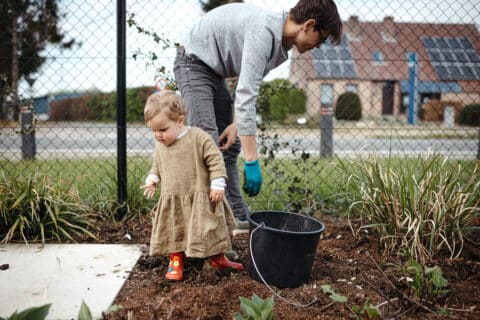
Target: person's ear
[181,119]
[310,23]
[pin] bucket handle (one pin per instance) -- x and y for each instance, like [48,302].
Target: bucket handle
[262,225]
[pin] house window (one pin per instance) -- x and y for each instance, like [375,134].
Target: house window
[351,88]
[326,94]
[378,56]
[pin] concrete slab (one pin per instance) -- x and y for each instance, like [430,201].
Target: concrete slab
[64,275]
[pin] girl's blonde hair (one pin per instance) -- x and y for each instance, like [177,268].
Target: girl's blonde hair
[164,100]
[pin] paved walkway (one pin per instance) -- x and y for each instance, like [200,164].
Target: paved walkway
[64,275]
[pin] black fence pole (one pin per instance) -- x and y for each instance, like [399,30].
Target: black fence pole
[27,121]
[326,130]
[121,110]
[478,150]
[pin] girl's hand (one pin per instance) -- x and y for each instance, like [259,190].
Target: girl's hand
[216,195]
[149,189]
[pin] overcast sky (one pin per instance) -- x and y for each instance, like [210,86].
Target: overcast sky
[92,23]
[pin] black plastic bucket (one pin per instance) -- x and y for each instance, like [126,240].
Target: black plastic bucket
[283,247]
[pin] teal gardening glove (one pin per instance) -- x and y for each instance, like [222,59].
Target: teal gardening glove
[252,178]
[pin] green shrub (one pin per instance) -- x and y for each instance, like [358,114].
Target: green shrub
[36,208]
[421,208]
[102,106]
[70,109]
[136,98]
[348,107]
[278,98]
[470,115]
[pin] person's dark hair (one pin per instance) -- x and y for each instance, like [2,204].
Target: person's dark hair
[325,14]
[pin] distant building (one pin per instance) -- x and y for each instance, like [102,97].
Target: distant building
[41,104]
[372,61]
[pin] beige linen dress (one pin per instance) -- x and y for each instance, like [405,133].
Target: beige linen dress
[184,218]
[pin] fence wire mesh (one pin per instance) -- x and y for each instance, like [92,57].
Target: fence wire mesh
[401,83]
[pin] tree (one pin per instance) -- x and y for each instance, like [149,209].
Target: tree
[27,27]
[278,98]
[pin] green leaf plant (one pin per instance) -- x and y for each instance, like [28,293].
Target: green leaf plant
[34,313]
[40,313]
[37,208]
[367,311]
[255,309]
[422,208]
[425,283]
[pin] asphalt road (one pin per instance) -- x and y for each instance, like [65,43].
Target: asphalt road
[91,140]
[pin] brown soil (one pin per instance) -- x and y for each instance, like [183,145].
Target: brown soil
[357,269]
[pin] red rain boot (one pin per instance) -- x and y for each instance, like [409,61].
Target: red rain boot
[175,267]
[219,261]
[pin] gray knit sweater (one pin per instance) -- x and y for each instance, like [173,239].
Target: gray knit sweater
[242,40]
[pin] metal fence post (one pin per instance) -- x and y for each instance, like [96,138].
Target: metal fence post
[326,130]
[478,150]
[412,87]
[28,133]
[121,110]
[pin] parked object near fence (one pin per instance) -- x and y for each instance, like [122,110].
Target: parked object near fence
[434,110]
[282,247]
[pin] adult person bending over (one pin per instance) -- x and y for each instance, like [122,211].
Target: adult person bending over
[243,40]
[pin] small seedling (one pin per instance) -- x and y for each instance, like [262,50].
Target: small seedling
[333,295]
[427,283]
[255,309]
[34,313]
[368,311]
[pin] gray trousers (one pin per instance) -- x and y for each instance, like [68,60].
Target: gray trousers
[209,106]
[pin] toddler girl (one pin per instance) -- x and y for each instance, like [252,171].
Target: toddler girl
[190,216]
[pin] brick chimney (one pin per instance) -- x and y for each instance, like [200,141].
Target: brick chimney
[388,29]
[355,32]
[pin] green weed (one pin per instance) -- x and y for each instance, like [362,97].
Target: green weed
[36,208]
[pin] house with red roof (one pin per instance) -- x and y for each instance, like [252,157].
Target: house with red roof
[372,60]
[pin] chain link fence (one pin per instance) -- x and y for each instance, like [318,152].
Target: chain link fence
[401,83]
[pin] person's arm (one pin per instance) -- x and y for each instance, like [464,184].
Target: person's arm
[153,178]
[254,63]
[249,146]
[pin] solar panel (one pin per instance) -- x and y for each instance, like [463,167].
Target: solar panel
[455,72]
[473,57]
[321,68]
[331,53]
[468,72]
[462,57]
[449,56]
[349,70]
[442,72]
[435,56]
[336,71]
[334,61]
[345,54]
[429,43]
[477,71]
[454,43]
[466,44]
[442,43]
[453,58]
